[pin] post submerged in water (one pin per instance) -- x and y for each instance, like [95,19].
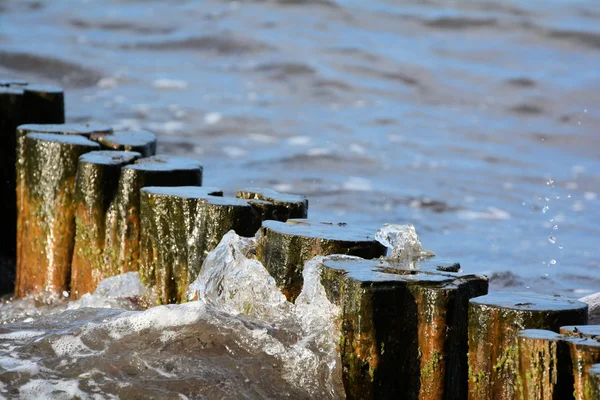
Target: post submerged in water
[494,323]
[122,249]
[284,248]
[403,330]
[96,186]
[48,212]
[544,367]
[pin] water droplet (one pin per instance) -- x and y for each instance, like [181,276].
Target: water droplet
[557,197]
[555,227]
[550,182]
[552,262]
[551,239]
[560,247]
[527,287]
[545,209]
[523,203]
[569,196]
[547,198]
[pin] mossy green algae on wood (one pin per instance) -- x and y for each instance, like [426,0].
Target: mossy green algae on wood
[142,142]
[403,331]
[96,186]
[494,323]
[48,217]
[544,366]
[594,382]
[171,243]
[123,228]
[585,352]
[84,130]
[284,248]
[285,206]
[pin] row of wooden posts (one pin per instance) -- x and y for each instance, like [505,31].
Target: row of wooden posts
[84,203]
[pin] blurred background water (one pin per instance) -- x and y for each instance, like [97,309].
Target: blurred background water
[477,121]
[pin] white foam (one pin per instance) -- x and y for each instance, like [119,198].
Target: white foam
[70,346]
[212,118]
[113,292]
[52,389]
[357,184]
[234,152]
[492,213]
[21,335]
[300,140]
[13,364]
[170,84]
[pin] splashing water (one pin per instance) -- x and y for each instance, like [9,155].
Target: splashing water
[402,242]
[241,339]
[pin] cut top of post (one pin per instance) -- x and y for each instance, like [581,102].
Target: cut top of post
[581,331]
[272,196]
[540,334]
[528,302]
[65,139]
[109,157]
[129,141]
[321,230]
[11,90]
[65,129]
[44,89]
[165,163]
[377,271]
[185,192]
[13,82]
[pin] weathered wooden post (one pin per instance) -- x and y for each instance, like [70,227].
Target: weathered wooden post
[123,227]
[48,212]
[494,323]
[142,142]
[179,226]
[284,248]
[11,110]
[594,382]
[43,104]
[286,206]
[544,366]
[403,331]
[95,190]
[84,130]
[12,82]
[584,345]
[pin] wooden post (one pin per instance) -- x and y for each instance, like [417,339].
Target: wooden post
[494,323]
[179,226]
[95,190]
[594,382]
[284,248]
[143,142]
[544,366]
[123,228]
[584,344]
[11,109]
[48,212]
[84,130]
[286,205]
[403,331]
[12,82]
[43,104]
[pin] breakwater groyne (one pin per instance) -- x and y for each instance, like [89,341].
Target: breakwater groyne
[83,203]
